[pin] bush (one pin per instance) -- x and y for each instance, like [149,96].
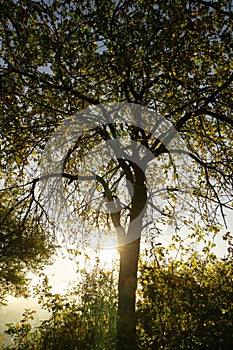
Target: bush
[182,304]
[83,319]
[186,304]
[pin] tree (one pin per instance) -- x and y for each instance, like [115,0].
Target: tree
[20,251]
[58,57]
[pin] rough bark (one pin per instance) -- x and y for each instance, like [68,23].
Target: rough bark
[126,328]
[129,256]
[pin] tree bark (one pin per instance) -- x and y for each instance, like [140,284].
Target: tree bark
[126,327]
[129,256]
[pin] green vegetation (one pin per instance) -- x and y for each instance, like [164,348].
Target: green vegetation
[84,318]
[59,57]
[24,247]
[184,303]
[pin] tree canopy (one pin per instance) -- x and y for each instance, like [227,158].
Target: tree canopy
[176,57]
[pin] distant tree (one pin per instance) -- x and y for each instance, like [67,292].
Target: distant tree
[59,57]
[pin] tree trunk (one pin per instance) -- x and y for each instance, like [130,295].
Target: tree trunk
[129,256]
[126,327]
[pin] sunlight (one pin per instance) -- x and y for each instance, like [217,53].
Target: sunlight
[109,242]
[66,266]
[108,258]
[108,253]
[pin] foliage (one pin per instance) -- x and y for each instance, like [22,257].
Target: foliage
[84,318]
[186,304]
[24,247]
[60,56]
